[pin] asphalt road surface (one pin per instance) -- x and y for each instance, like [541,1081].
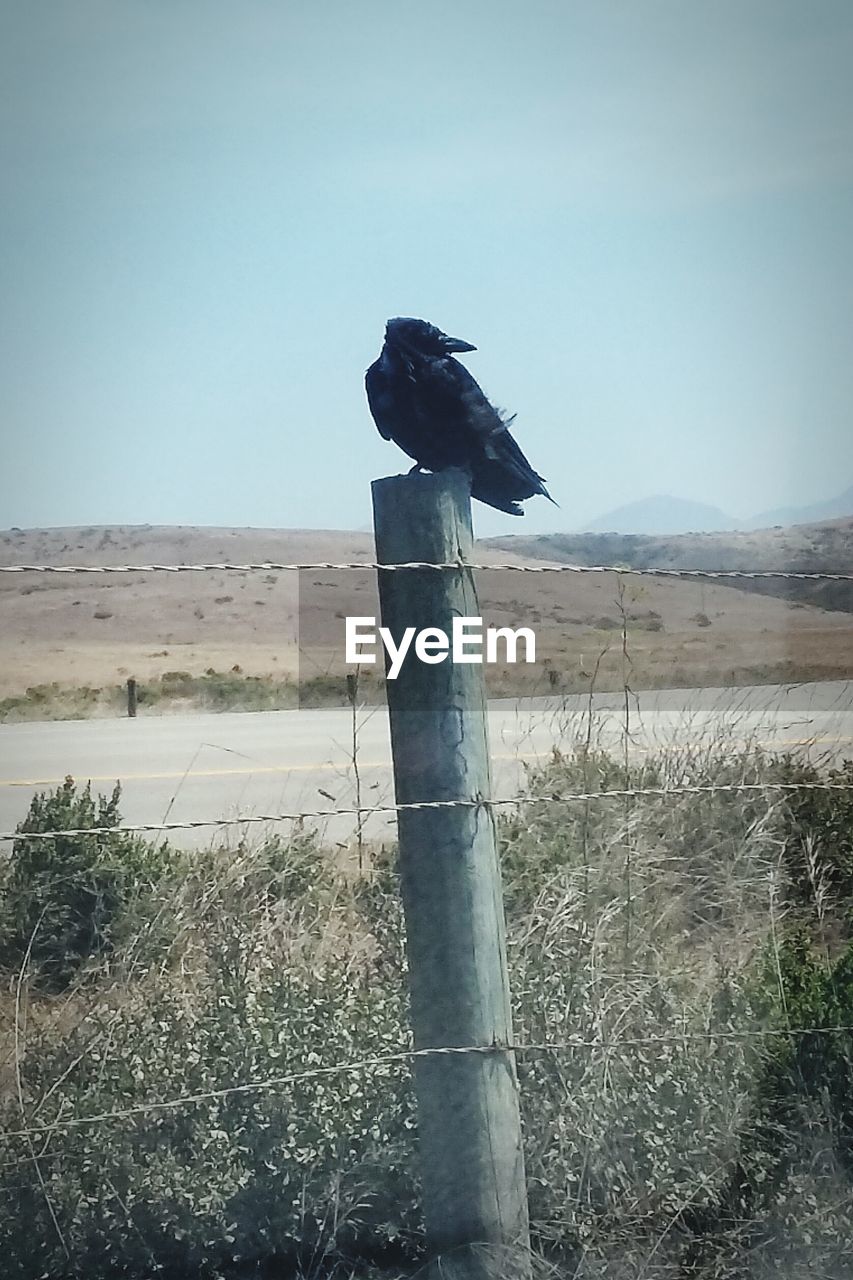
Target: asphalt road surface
[178,768]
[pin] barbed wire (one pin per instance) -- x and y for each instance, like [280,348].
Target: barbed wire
[276,567]
[271,1083]
[572,797]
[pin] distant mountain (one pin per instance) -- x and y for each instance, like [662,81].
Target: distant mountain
[833,509]
[663,514]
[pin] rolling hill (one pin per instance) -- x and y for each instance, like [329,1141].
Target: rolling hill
[825,547]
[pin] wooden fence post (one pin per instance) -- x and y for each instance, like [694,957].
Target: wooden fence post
[469,1129]
[131,696]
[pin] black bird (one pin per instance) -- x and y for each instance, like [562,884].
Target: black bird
[429,405]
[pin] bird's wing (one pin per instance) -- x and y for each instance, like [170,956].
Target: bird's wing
[452,385]
[500,452]
[380,400]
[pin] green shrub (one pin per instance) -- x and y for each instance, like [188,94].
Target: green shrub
[812,1069]
[64,900]
[819,835]
[787,1194]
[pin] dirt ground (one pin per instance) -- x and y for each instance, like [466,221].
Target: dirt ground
[83,630]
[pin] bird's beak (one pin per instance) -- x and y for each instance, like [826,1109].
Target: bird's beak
[456,344]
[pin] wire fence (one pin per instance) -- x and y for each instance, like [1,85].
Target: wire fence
[408,1055]
[277,567]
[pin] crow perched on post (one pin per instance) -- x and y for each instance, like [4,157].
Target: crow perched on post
[429,405]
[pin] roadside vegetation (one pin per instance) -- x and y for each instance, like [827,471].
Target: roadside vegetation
[685,954]
[177,691]
[563,671]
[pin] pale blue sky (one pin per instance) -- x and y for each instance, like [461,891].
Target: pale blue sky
[640,211]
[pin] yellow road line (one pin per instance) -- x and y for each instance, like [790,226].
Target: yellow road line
[332,765]
[196,773]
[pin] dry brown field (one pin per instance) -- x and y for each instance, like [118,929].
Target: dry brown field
[81,631]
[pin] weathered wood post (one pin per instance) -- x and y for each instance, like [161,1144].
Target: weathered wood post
[131,696]
[469,1129]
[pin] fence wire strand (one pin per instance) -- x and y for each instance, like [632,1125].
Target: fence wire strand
[271,1083]
[571,797]
[273,566]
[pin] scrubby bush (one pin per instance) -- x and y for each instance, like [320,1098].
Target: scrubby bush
[785,1202]
[811,1069]
[64,901]
[255,1163]
[278,868]
[699,852]
[633,924]
[819,835]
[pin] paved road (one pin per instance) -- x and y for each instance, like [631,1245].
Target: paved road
[186,767]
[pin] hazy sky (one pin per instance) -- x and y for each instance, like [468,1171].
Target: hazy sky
[640,211]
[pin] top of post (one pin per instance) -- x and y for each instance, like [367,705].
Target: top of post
[423,516]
